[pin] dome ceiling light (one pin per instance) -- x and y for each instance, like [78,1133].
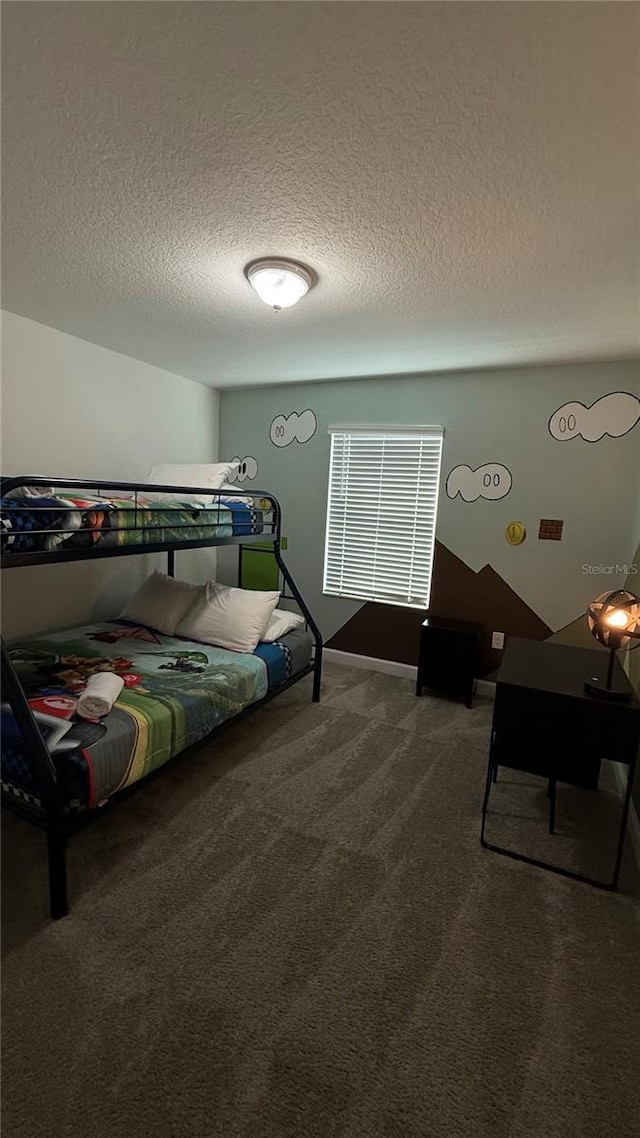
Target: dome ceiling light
[278,282]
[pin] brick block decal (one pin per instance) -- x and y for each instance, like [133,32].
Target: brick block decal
[550,529]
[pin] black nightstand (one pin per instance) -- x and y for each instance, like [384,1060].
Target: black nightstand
[545,723]
[449,651]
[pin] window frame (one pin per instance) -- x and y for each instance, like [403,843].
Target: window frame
[432,433]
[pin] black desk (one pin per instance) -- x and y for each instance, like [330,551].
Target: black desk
[545,723]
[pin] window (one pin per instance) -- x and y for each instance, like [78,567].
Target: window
[381,513]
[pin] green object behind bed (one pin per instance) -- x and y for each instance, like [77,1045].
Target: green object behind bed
[259,566]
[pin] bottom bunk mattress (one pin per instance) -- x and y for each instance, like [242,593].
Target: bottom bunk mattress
[176,692]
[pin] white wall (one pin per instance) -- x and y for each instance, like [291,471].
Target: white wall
[73,409]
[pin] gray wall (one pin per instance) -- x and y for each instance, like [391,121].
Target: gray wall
[497,416]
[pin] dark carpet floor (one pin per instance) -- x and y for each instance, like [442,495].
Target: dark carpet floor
[294,933]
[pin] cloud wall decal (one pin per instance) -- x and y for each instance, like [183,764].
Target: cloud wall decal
[491,481]
[245,468]
[286,429]
[615,415]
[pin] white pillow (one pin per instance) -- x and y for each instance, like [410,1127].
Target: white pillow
[281,622]
[169,501]
[161,602]
[246,501]
[31,492]
[211,474]
[230,618]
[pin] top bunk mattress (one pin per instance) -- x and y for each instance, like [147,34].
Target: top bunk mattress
[176,691]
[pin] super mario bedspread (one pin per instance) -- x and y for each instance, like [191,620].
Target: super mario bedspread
[49,524]
[176,692]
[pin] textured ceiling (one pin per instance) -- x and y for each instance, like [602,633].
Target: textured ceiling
[462,177]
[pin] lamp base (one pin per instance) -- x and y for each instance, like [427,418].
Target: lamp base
[596,686]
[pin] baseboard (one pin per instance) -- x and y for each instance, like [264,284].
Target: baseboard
[371,663]
[392,668]
[620,773]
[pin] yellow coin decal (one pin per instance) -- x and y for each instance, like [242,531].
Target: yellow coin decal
[515,533]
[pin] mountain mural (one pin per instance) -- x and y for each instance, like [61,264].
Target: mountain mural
[458,592]
[576,634]
[390,632]
[387,632]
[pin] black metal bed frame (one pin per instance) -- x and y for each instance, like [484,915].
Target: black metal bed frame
[51,814]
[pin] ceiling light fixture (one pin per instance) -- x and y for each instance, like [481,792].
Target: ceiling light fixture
[279,283]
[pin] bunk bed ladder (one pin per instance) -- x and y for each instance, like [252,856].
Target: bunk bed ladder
[47,785]
[317,663]
[295,595]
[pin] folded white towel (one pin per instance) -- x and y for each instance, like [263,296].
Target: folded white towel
[99,696]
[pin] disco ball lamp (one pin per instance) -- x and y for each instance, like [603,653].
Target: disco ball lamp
[614,620]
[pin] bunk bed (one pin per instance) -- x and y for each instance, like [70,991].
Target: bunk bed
[60,773]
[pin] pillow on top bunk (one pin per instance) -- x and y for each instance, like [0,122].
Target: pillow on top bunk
[231,618]
[245,500]
[30,492]
[281,622]
[161,602]
[201,474]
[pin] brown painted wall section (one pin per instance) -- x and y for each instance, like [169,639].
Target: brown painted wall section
[389,632]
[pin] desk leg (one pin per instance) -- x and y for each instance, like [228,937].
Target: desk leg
[491,772]
[624,822]
[552,804]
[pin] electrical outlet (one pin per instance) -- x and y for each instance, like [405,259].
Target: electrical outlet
[497,640]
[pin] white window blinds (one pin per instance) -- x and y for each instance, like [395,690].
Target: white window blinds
[381,513]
